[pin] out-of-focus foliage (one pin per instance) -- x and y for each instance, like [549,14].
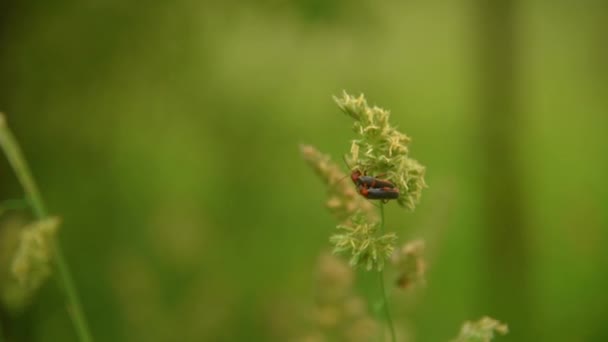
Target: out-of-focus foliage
[31,264]
[338,314]
[410,264]
[482,330]
[166,137]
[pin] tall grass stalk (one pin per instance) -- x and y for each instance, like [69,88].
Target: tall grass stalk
[387,312]
[17,161]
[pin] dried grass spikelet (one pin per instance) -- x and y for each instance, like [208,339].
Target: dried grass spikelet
[410,264]
[343,200]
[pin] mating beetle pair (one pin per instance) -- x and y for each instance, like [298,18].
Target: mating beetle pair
[374,188]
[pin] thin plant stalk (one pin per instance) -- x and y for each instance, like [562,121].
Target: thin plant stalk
[17,161]
[387,312]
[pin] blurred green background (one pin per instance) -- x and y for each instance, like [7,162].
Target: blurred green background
[165,134]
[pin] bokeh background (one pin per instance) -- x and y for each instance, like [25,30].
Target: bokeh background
[166,134]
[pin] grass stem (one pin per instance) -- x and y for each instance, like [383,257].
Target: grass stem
[387,312]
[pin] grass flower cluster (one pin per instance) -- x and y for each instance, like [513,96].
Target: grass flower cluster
[360,237]
[382,150]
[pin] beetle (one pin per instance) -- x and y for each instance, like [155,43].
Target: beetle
[370,182]
[384,193]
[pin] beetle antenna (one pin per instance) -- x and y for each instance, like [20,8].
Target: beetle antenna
[346,162]
[338,181]
[346,176]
